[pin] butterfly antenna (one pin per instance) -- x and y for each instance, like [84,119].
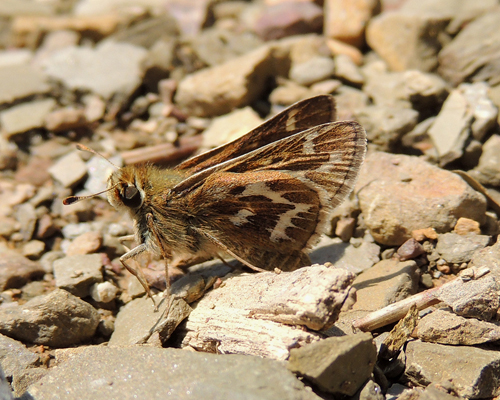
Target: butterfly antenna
[75,199]
[82,147]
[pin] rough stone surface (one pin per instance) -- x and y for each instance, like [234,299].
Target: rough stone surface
[5,392]
[488,170]
[220,89]
[476,298]
[469,55]
[399,194]
[457,249]
[346,20]
[229,127]
[406,40]
[86,243]
[337,364]
[15,357]
[385,283]
[18,81]
[69,170]
[58,319]
[109,69]
[120,373]
[444,327]
[313,70]
[26,116]
[385,125]
[78,273]
[290,18]
[16,270]
[353,257]
[472,370]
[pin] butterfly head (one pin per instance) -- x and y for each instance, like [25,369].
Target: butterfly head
[125,189]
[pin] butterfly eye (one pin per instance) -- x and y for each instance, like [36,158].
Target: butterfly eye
[131,197]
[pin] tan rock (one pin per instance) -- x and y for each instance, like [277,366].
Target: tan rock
[86,243]
[220,89]
[385,283]
[399,194]
[346,20]
[465,226]
[406,40]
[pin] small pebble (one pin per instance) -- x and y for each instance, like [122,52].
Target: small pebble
[103,292]
[33,249]
[465,226]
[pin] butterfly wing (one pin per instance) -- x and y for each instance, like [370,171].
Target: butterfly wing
[273,202]
[300,116]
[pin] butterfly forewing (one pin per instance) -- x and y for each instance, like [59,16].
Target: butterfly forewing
[276,200]
[300,116]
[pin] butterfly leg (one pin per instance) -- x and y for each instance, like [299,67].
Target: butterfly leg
[166,257]
[137,272]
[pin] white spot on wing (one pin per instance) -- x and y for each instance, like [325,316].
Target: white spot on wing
[285,219]
[290,122]
[241,217]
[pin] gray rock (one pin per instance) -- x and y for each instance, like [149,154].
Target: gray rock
[15,357]
[33,249]
[410,89]
[26,378]
[370,391]
[445,327]
[469,57]
[19,81]
[386,125]
[108,69]
[329,364]
[472,379]
[216,45]
[349,101]
[458,249]
[347,70]
[69,170]
[5,392]
[26,215]
[47,260]
[112,373]
[78,273]
[136,321]
[385,283]
[488,257]
[353,258]
[313,70]
[58,319]
[483,109]
[72,231]
[25,116]
[16,270]
[399,194]
[477,298]
[220,89]
[488,170]
[467,109]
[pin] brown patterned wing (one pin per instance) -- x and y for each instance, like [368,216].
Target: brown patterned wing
[274,202]
[300,116]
